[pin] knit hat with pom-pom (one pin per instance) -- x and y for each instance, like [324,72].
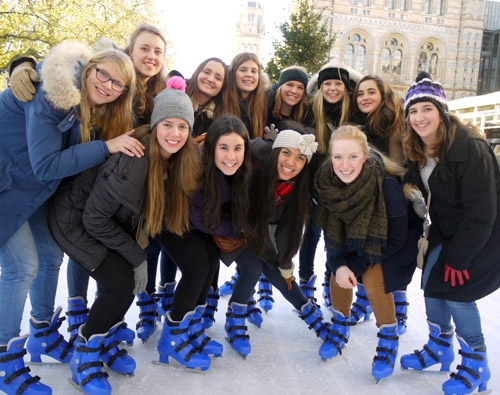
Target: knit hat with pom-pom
[173,103]
[426,90]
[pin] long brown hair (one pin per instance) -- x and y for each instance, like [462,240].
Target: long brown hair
[146,92]
[193,92]
[263,199]
[170,185]
[116,117]
[256,100]
[240,203]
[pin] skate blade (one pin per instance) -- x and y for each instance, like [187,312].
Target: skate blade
[75,385]
[429,371]
[176,365]
[47,363]
[114,372]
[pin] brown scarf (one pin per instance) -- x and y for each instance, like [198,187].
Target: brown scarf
[353,216]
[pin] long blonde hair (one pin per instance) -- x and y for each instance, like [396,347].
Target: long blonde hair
[299,110]
[116,117]
[171,184]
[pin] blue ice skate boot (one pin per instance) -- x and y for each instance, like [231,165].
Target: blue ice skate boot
[472,373]
[308,288]
[208,315]
[175,343]
[438,350]
[125,334]
[115,358]
[77,315]
[236,329]
[313,317]
[227,288]
[387,351]
[202,342]
[401,304]
[146,325]
[337,338]
[254,313]
[15,377]
[165,297]
[361,309]
[86,365]
[326,290]
[265,294]
[45,339]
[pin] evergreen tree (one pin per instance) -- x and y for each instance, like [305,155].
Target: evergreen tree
[306,41]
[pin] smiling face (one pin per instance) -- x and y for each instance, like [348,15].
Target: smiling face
[369,97]
[292,93]
[290,163]
[347,159]
[247,77]
[210,80]
[229,153]
[147,54]
[172,134]
[424,118]
[333,90]
[102,92]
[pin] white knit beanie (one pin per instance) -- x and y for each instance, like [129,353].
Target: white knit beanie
[291,139]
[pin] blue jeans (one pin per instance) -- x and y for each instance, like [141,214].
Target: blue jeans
[465,316]
[307,251]
[78,280]
[29,263]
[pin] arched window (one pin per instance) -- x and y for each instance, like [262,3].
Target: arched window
[428,60]
[349,56]
[360,58]
[392,56]
[355,52]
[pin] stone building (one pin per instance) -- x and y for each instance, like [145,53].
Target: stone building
[398,38]
[250,29]
[489,67]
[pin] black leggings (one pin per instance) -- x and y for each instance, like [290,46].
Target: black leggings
[197,257]
[250,269]
[116,279]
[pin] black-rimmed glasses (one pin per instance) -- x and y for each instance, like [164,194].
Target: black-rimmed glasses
[102,76]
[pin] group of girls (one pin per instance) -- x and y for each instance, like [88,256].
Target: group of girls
[200,179]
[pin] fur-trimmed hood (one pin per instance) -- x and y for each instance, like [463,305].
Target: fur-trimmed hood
[354,77]
[61,72]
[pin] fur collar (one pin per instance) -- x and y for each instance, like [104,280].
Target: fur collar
[61,72]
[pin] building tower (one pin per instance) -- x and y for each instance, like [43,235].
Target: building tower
[250,31]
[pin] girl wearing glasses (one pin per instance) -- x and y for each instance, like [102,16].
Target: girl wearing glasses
[63,131]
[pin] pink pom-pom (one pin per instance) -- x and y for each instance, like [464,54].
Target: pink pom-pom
[177,82]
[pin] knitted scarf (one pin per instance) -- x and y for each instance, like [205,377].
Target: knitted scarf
[353,216]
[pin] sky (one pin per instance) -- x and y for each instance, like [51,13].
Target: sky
[200,29]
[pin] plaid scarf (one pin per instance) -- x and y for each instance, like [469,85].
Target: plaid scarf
[353,216]
[282,189]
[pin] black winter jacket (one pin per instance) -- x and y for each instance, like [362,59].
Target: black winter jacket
[465,206]
[99,210]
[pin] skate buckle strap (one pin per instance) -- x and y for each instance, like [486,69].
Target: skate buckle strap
[16,374]
[385,358]
[26,383]
[93,375]
[71,313]
[458,376]
[84,348]
[120,353]
[12,357]
[150,301]
[50,329]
